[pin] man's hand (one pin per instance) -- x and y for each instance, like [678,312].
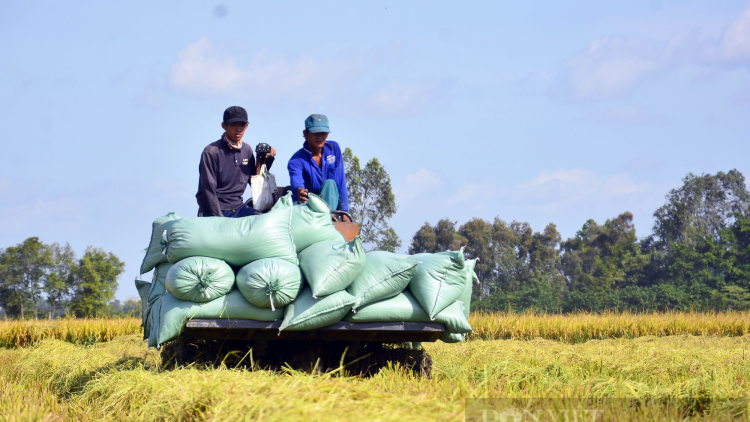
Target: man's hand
[272,153]
[301,192]
[344,218]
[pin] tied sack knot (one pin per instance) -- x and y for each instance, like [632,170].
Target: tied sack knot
[204,284]
[272,288]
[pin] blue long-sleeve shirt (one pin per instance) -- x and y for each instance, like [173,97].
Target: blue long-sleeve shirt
[305,173]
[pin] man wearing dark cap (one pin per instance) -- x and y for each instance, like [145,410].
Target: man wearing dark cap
[225,170]
[318,167]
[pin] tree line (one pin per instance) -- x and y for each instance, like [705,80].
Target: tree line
[49,279]
[696,257]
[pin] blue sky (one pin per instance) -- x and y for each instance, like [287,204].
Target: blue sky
[529,110]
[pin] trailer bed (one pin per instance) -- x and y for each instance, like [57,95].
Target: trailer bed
[381,332]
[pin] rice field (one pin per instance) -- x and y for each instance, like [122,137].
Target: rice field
[19,333]
[678,366]
[575,328]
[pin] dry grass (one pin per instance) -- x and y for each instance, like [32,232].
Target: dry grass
[582,327]
[19,333]
[682,366]
[574,328]
[121,380]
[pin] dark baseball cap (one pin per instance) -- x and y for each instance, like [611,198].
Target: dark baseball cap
[235,114]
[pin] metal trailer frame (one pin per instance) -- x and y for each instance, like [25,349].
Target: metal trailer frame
[380,332]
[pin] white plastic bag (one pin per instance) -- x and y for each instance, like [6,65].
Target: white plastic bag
[264,189]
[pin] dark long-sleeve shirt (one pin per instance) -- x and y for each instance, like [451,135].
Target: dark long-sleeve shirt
[224,175]
[304,172]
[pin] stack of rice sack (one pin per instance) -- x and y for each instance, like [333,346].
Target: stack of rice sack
[291,264]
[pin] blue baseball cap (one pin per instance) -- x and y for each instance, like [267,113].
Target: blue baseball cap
[317,123]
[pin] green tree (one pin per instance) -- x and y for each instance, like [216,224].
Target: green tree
[22,269]
[371,202]
[60,277]
[602,257]
[131,306]
[478,235]
[702,206]
[95,282]
[441,237]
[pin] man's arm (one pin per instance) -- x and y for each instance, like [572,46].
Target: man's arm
[296,177]
[340,180]
[207,184]
[269,161]
[256,164]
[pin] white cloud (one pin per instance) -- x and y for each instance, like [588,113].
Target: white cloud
[612,68]
[568,186]
[549,190]
[203,70]
[471,192]
[735,43]
[423,181]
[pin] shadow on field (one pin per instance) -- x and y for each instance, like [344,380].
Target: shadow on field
[77,382]
[322,357]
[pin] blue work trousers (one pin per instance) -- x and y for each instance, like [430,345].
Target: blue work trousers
[243,211]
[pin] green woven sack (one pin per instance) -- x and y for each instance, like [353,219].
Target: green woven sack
[143,288]
[452,337]
[200,279]
[308,313]
[311,223]
[158,282]
[331,266]
[269,283]
[439,281]
[153,255]
[405,308]
[238,241]
[155,293]
[471,277]
[170,315]
[385,275]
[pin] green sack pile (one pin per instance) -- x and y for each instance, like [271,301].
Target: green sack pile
[405,308]
[169,317]
[385,275]
[156,291]
[292,265]
[439,280]
[308,313]
[238,241]
[154,255]
[311,223]
[331,266]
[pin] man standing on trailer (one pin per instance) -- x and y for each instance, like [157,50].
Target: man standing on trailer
[318,167]
[225,170]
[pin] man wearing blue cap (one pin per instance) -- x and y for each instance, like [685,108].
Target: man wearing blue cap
[318,167]
[225,170]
